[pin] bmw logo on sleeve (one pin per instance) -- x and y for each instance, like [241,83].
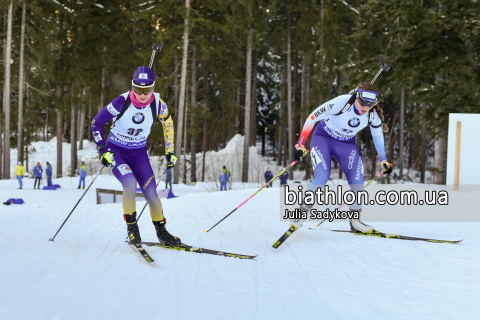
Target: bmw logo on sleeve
[354,122]
[138,117]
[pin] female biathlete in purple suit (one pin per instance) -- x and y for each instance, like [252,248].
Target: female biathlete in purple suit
[335,137]
[125,151]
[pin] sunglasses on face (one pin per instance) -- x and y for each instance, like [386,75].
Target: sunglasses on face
[141,90]
[366,98]
[366,104]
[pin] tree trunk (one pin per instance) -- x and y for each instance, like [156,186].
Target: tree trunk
[59,139]
[304,106]
[402,120]
[303,100]
[181,104]
[439,177]
[79,115]
[89,132]
[27,102]
[26,159]
[281,127]
[175,95]
[104,81]
[289,97]
[193,88]
[6,95]
[205,110]
[294,82]
[185,143]
[21,85]
[248,101]
[253,128]
[81,131]
[81,119]
[73,141]
[237,111]
[423,142]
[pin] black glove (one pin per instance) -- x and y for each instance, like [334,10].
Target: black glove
[171,159]
[299,152]
[387,165]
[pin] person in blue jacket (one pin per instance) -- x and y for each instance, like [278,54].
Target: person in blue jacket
[83,174]
[224,178]
[268,176]
[38,175]
[284,177]
[49,174]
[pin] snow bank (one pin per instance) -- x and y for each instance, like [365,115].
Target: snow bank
[43,151]
[231,157]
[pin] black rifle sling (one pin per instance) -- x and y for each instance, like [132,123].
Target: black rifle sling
[350,102]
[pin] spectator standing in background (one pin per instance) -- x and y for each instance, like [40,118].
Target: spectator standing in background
[49,174]
[20,172]
[224,175]
[83,174]
[38,175]
[284,177]
[268,177]
[168,180]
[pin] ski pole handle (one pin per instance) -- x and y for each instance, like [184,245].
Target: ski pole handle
[383,66]
[156,48]
[266,184]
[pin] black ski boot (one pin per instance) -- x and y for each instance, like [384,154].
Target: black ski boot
[164,236]
[132,228]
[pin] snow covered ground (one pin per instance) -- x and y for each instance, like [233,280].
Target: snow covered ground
[88,272]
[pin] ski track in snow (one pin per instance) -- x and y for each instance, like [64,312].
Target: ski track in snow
[89,272]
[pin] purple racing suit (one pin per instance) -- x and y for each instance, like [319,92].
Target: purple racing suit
[127,140]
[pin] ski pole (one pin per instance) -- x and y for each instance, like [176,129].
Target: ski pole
[374,179]
[278,175]
[76,205]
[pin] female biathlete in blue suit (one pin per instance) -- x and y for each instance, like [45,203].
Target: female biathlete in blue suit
[335,137]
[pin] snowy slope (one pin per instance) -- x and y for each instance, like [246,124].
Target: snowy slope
[88,272]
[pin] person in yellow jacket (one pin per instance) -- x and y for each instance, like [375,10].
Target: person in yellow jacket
[20,172]
[83,174]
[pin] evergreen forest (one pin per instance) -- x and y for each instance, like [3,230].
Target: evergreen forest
[252,67]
